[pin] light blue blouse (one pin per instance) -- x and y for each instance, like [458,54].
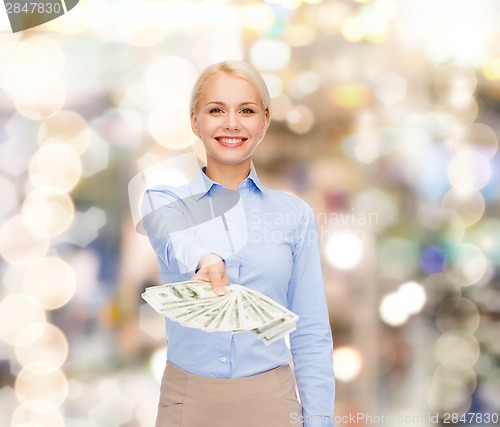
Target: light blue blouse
[269,242]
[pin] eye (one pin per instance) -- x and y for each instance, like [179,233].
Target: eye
[247,111]
[215,111]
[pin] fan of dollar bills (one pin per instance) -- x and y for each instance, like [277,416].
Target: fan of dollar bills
[195,305]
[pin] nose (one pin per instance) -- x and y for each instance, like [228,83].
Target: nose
[232,122]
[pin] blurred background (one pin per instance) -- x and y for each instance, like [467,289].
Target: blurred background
[385,120]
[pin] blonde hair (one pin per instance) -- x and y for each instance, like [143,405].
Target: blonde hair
[236,69]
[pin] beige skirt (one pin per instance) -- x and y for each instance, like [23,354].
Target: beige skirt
[264,400]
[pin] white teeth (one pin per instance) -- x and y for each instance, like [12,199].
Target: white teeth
[230,140]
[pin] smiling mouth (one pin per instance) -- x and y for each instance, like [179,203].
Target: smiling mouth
[231,141]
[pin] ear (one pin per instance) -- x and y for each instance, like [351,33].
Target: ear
[265,123]
[194,124]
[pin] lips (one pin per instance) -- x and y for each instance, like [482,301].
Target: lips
[231,141]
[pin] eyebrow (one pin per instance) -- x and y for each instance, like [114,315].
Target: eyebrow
[243,103]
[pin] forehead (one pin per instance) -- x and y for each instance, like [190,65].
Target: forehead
[227,88]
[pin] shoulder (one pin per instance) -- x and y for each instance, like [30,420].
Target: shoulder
[158,197]
[168,191]
[288,209]
[288,201]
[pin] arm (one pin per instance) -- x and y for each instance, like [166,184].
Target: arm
[170,226]
[311,343]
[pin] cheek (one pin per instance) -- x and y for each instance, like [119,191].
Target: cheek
[208,126]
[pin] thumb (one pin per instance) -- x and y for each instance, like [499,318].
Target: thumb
[218,285]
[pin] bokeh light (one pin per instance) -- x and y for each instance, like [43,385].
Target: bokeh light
[17,311]
[270,55]
[301,35]
[457,347]
[274,84]
[51,282]
[454,85]
[343,250]
[396,307]
[19,245]
[469,205]
[66,127]
[27,415]
[491,68]
[55,169]
[442,226]
[481,138]
[169,124]
[348,363]
[181,76]
[448,394]
[47,216]
[371,23]
[41,384]
[413,296]
[486,236]
[305,83]
[391,89]
[300,119]
[42,102]
[288,4]
[432,259]
[258,16]
[41,342]
[136,23]
[350,95]
[458,314]
[469,170]
[18,60]
[466,264]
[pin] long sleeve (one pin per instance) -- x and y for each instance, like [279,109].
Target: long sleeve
[311,343]
[171,231]
[183,226]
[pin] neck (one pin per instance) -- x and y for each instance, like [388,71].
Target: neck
[230,176]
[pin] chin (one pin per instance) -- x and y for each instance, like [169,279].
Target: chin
[230,160]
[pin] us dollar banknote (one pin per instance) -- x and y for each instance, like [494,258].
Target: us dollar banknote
[195,305]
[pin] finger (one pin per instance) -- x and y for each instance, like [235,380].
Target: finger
[216,276]
[217,280]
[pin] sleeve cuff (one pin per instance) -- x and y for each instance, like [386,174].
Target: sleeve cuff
[223,260]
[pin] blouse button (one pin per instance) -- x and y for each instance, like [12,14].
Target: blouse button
[223,359]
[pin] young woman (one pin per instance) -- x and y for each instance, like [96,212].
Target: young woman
[227,227]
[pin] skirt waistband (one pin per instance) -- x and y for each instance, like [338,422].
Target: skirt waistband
[178,375]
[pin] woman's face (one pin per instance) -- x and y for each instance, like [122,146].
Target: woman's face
[230,119]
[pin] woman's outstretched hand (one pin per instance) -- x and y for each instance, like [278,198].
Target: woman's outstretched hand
[212,269]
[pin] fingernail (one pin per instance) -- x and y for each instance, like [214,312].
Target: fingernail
[219,291]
